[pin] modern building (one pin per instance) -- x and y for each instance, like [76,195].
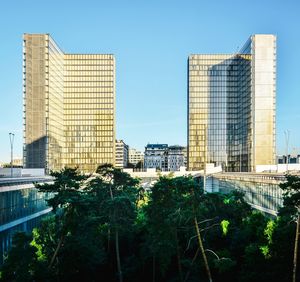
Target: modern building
[135,156]
[69,106]
[231,107]
[121,154]
[291,159]
[156,156]
[22,208]
[175,157]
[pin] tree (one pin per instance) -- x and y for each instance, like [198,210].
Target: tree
[176,206]
[66,188]
[20,265]
[70,239]
[105,224]
[291,208]
[116,196]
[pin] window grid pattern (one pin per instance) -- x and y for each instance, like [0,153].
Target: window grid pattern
[34,94]
[89,104]
[219,111]
[69,106]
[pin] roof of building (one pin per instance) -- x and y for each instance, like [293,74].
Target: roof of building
[156,146]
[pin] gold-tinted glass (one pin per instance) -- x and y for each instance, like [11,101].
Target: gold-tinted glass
[69,107]
[89,110]
[231,107]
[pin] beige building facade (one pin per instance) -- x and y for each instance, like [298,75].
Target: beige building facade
[135,156]
[232,106]
[69,106]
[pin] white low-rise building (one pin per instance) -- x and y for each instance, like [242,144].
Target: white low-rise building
[175,157]
[121,154]
[135,156]
[156,156]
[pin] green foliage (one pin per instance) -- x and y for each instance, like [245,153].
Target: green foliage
[224,225]
[291,197]
[224,265]
[21,263]
[269,230]
[265,251]
[39,248]
[154,232]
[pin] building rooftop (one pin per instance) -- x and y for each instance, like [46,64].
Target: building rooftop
[157,146]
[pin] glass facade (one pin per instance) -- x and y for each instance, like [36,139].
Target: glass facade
[34,91]
[21,203]
[21,208]
[6,237]
[69,107]
[225,120]
[89,109]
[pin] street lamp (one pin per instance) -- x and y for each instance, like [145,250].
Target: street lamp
[11,139]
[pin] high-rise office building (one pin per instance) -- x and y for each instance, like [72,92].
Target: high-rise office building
[69,106]
[231,107]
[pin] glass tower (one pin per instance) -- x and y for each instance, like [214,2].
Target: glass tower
[69,107]
[231,107]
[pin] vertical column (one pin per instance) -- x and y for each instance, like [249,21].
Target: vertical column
[263,100]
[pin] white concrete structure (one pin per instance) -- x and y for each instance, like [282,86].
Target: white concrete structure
[175,157]
[279,168]
[121,154]
[135,156]
[22,172]
[152,173]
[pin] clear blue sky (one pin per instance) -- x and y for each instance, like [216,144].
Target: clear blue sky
[151,41]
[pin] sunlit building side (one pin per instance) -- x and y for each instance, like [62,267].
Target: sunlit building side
[231,107]
[69,106]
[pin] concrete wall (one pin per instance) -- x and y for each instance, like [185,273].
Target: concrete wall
[6,172]
[151,172]
[21,172]
[279,168]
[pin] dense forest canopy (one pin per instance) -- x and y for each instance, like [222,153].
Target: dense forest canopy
[105,227]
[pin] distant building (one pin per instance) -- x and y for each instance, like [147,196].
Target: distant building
[184,151]
[156,156]
[164,157]
[121,154]
[291,159]
[135,156]
[18,162]
[175,157]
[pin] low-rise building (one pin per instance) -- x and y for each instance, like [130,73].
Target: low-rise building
[121,154]
[135,156]
[156,156]
[291,159]
[164,157]
[175,157]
